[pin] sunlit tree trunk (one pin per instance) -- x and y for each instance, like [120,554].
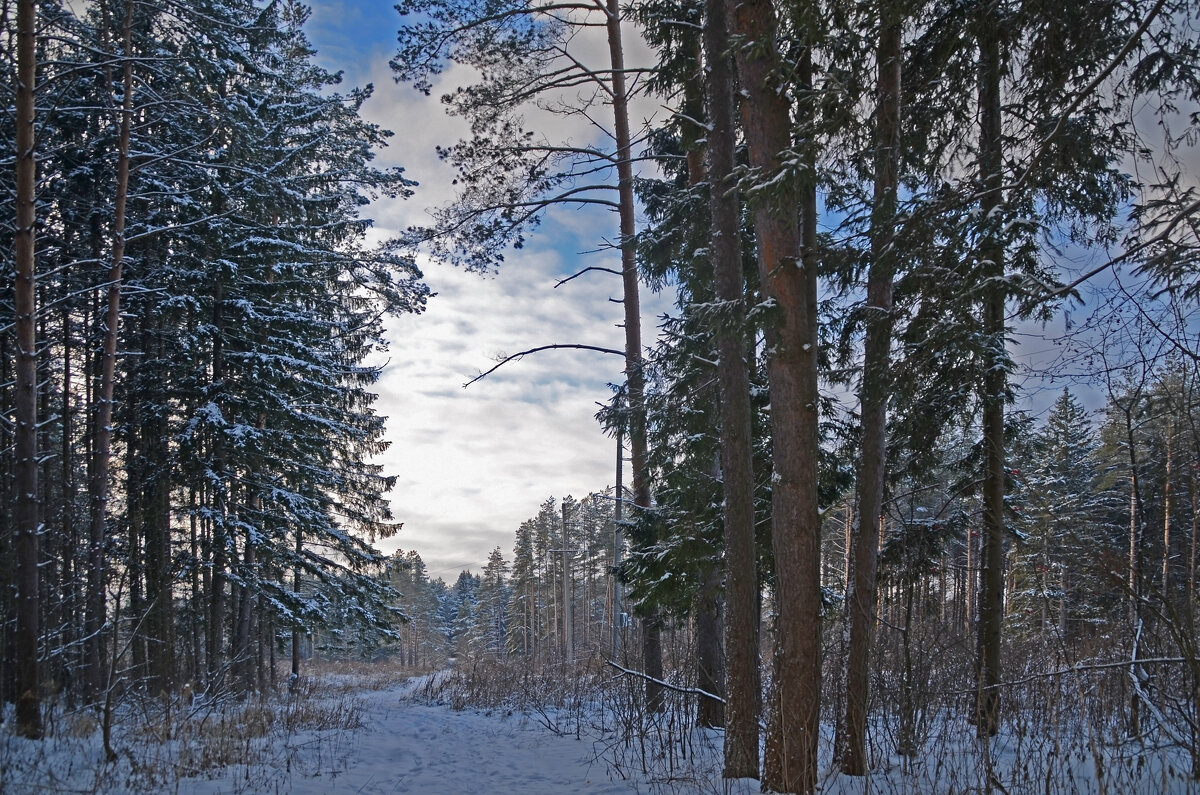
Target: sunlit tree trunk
[634,377]
[787,269]
[742,681]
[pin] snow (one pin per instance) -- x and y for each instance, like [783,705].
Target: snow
[405,746]
[347,733]
[400,746]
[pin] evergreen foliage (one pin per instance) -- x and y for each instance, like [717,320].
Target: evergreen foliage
[243,501]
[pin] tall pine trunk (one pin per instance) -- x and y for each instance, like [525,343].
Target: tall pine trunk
[742,681]
[161,656]
[102,444]
[244,662]
[635,378]
[25,526]
[873,393]
[787,268]
[296,628]
[991,588]
[218,495]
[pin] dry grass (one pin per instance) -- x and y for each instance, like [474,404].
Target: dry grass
[161,743]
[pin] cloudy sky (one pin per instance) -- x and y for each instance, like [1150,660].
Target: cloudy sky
[471,464]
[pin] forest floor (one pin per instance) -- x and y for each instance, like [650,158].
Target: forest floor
[379,729]
[359,731]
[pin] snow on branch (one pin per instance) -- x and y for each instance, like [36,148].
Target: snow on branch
[689,691]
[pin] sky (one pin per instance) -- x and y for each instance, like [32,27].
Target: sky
[472,464]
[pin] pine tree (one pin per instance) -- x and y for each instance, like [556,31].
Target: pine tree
[524,612]
[1060,582]
[233,388]
[787,254]
[492,614]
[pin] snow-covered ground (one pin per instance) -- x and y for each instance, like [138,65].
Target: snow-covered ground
[354,733]
[404,746]
[398,745]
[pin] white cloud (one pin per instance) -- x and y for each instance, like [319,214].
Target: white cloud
[472,464]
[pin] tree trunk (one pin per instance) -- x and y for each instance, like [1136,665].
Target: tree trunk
[25,525]
[102,446]
[873,393]
[243,653]
[194,619]
[634,377]
[1191,569]
[710,675]
[296,628]
[787,268]
[216,612]
[156,537]
[742,684]
[1166,528]
[618,616]
[8,573]
[991,588]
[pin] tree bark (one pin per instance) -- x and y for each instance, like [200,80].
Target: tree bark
[296,628]
[1166,528]
[991,589]
[743,698]
[635,378]
[874,392]
[244,661]
[710,674]
[26,524]
[787,269]
[102,446]
[217,494]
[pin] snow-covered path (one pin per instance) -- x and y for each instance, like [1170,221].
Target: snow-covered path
[407,747]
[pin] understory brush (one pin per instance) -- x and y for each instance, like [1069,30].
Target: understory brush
[1065,729]
[594,701]
[161,743]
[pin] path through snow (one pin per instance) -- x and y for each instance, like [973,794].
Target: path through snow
[408,747]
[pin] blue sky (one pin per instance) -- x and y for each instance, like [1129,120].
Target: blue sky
[471,464]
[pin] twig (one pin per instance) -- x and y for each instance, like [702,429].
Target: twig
[556,346]
[561,282]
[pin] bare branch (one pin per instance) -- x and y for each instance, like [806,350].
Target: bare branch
[689,691]
[1067,289]
[585,270]
[556,346]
